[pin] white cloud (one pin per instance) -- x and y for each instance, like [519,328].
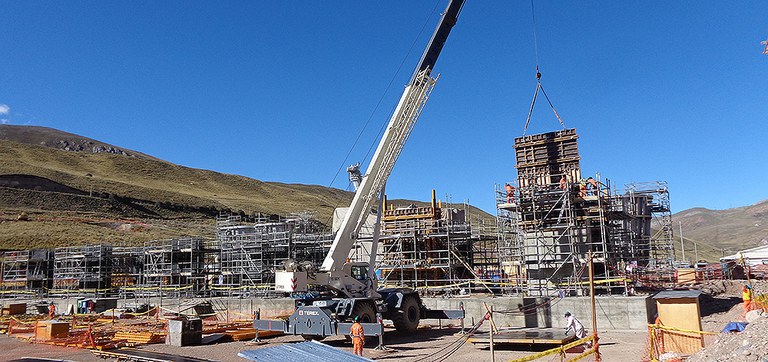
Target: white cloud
[5,121]
[4,109]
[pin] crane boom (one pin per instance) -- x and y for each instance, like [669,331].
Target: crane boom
[341,290]
[401,124]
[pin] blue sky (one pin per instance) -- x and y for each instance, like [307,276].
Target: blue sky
[278,91]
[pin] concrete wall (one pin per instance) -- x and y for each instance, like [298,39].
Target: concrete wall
[613,313]
[507,311]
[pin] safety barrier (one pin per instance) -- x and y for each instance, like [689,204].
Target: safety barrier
[662,339]
[561,351]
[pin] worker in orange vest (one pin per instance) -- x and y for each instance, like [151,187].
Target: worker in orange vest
[358,336]
[746,297]
[51,311]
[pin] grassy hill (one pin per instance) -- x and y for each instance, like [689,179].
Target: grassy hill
[722,231]
[75,190]
[72,195]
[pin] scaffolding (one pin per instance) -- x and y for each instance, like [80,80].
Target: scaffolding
[30,270]
[555,218]
[85,268]
[179,266]
[127,266]
[433,247]
[657,213]
[252,250]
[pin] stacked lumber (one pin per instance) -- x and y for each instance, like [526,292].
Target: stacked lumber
[247,334]
[222,327]
[134,338]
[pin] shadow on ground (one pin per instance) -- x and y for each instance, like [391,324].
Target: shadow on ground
[711,305]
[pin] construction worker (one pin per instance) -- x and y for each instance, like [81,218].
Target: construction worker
[746,296]
[572,323]
[51,311]
[510,193]
[563,183]
[358,336]
[591,186]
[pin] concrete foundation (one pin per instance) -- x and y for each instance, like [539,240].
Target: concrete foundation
[613,313]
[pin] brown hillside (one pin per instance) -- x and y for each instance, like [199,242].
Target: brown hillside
[71,198]
[53,138]
[50,183]
[723,230]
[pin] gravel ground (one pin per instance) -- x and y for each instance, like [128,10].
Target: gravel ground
[748,346]
[615,346]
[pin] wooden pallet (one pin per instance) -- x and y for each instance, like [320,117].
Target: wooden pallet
[247,334]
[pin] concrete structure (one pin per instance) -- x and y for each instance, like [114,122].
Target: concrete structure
[613,313]
[555,218]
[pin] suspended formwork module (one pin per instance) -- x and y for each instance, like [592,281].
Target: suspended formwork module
[543,159]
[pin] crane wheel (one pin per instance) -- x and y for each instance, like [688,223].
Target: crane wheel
[366,313]
[407,318]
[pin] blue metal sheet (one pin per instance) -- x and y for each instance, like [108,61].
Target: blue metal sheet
[673,294]
[304,351]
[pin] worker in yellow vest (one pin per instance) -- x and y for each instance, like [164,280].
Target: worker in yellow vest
[746,297]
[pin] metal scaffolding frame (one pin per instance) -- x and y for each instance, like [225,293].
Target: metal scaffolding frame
[179,266]
[127,266]
[252,250]
[658,214]
[434,247]
[556,218]
[82,268]
[26,269]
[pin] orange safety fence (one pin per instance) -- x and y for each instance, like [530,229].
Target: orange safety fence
[663,339]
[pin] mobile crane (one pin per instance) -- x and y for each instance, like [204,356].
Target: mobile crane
[349,289]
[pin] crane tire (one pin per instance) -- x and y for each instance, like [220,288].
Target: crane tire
[407,318]
[367,314]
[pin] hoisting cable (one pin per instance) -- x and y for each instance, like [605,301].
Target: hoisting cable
[539,86]
[381,99]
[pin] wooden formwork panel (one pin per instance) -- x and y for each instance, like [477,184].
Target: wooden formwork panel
[542,159]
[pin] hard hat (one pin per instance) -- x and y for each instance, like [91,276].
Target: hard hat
[567,314]
[357,317]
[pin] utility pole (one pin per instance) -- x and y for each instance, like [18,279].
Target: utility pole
[594,309]
[682,246]
[696,251]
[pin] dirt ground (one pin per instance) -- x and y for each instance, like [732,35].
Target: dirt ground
[615,346]
[720,307]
